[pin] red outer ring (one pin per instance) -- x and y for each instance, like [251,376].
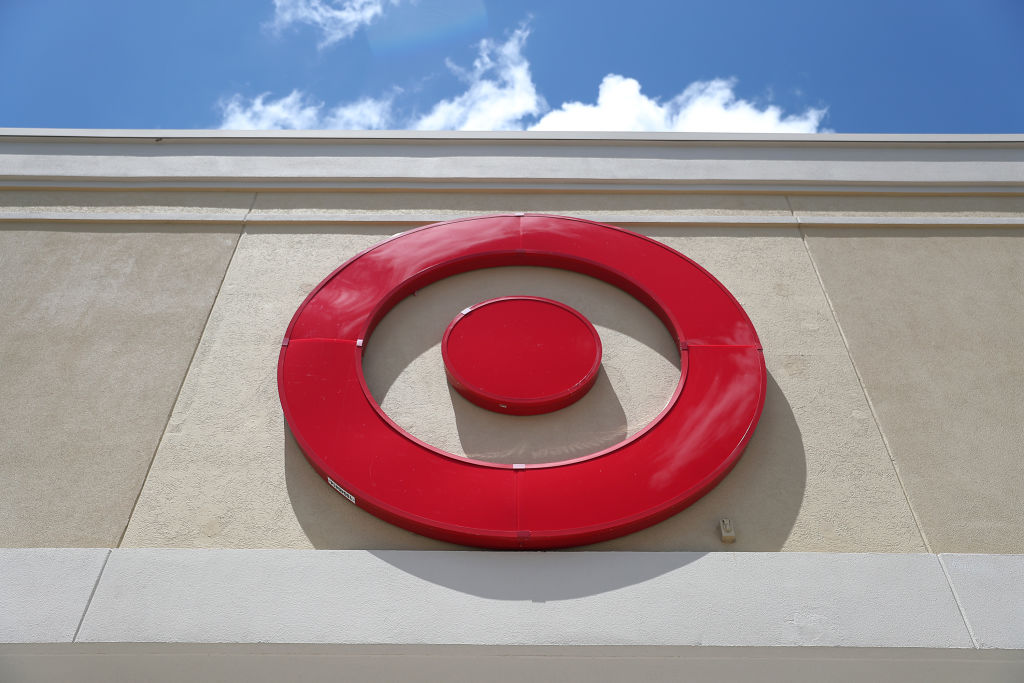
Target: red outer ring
[668,465]
[518,405]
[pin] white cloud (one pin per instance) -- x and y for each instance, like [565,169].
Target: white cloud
[712,106]
[291,111]
[296,111]
[704,106]
[336,19]
[500,94]
[365,114]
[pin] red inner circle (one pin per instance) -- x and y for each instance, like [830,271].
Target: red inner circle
[520,351]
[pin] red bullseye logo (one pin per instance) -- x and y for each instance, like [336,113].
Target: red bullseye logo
[523,356]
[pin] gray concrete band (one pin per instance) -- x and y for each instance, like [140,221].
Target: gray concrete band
[515,159]
[486,598]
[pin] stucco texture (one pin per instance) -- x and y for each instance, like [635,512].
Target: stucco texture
[934,321]
[97,328]
[816,475]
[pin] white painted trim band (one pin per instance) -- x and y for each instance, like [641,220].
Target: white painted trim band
[487,598]
[510,161]
[235,184]
[625,219]
[44,592]
[568,137]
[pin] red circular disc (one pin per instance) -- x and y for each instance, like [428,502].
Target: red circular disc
[681,455]
[521,355]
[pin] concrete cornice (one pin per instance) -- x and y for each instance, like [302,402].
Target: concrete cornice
[511,161]
[409,220]
[585,598]
[567,137]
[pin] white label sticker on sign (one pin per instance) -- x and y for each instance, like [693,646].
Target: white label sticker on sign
[340,490]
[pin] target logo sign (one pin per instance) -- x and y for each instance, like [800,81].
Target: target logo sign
[490,357]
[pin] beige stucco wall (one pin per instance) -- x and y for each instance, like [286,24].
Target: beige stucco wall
[141,328]
[97,328]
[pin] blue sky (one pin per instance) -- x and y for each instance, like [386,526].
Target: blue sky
[935,66]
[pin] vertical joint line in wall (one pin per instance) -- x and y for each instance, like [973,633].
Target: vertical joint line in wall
[184,376]
[88,603]
[245,218]
[956,599]
[860,379]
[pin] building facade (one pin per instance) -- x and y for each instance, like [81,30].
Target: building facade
[155,498]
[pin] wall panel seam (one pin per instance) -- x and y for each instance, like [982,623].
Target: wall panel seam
[956,599]
[92,593]
[184,376]
[860,380]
